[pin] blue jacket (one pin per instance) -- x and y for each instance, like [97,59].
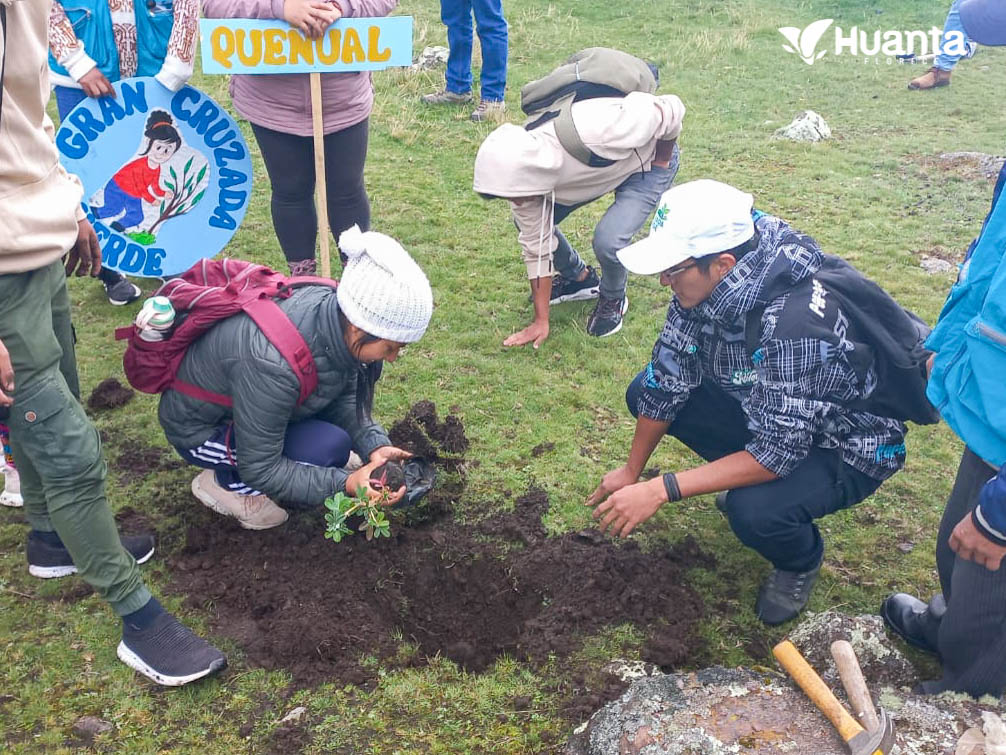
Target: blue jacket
[92,23]
[968,381]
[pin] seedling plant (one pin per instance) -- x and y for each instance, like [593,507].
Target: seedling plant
[341,507]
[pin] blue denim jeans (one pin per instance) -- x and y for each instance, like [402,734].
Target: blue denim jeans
[944,60]
[635,199]
[492,31]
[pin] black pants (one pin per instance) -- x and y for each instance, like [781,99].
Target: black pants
[289,160]
[967,623]
[774,518]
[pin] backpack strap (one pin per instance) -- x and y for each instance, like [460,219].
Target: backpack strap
[569,137]
[201,394]
[282,334]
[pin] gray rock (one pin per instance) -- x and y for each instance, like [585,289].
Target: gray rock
[882,661]
[431,58]
[294,715]
[936,266]
[717,711]
[87,728]
[808,126]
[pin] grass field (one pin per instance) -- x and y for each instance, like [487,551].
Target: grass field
[874,194]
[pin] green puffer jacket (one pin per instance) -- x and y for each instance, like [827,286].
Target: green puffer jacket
[235,359]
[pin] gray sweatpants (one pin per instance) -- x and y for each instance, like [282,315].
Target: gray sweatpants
[971,634]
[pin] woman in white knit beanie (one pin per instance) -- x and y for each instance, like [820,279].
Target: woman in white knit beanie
[270,448]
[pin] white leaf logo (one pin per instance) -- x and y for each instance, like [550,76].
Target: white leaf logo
[804,42]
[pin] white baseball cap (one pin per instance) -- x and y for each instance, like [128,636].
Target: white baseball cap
[693,220]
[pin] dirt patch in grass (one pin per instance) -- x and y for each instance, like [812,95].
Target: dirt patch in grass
[109,394]
[473,592]
[542,448]
[136,463]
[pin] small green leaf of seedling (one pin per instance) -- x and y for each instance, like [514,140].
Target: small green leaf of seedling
[341,507]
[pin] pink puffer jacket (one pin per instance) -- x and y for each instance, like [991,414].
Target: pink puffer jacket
[282,102]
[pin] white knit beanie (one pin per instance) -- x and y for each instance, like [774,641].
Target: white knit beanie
[382,290]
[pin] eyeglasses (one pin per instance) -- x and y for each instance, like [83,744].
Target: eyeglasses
[673,272]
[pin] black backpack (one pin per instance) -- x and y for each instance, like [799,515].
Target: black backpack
[587,74]
[892,339]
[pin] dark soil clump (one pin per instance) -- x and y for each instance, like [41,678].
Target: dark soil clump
[390,475]
[293,600]
[542,448]
[109,394]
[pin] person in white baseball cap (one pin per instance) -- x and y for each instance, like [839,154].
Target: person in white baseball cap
[751,372]
[693,221]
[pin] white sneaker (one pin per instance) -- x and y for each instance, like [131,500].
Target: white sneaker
[11,495]
[253,512]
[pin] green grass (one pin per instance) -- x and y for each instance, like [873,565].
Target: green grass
[869,195]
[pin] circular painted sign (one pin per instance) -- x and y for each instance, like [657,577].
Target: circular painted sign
[167,177]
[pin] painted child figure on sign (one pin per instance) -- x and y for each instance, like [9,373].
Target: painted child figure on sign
[135,199]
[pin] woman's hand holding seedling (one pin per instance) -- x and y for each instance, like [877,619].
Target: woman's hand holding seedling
[360,482]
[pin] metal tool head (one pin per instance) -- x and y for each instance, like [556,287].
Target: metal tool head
[880,741]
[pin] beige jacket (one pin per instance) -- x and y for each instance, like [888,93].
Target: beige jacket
[39,201]
[533,168]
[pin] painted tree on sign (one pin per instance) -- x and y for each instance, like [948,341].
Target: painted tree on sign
[185,193]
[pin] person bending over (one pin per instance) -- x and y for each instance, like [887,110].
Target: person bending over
[265,449]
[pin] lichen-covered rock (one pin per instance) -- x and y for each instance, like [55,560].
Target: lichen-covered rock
[882,662]
[717,711]
[808,126]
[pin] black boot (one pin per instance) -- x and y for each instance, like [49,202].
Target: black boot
[914,621]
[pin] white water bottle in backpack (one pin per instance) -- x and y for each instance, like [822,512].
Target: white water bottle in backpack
[155,318]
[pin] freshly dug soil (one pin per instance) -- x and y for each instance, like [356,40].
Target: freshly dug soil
[109,394]
[292,599]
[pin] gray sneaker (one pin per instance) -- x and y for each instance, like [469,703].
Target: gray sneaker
[493,111]
[122,292]
[784,594]
[446,97]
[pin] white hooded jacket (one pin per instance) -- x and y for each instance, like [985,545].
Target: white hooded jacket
[517,164]
[39,200]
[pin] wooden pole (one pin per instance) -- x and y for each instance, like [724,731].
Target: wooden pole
[320,190]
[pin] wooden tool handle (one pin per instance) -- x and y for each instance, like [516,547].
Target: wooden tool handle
[320,190]
[791,660]
[855,684]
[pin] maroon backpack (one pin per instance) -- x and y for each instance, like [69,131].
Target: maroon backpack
[205,294]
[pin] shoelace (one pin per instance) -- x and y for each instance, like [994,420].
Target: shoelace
[796,583]
[609,307]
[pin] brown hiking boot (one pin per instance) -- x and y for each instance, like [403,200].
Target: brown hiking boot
[489,110]
[934,77]
[446,97]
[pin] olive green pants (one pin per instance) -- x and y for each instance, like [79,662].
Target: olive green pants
[56,448]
